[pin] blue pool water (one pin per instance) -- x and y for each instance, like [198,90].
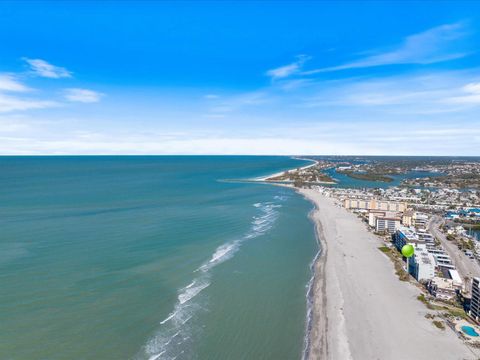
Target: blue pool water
[470,331]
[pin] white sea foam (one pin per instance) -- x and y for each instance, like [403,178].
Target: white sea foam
[221,254]
[174,327]
[192,290]
[171,316]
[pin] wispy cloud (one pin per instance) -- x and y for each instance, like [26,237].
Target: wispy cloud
[12,90]
[471,95]
[8,82]
[11,103]
[288,70]
[449,92]
[431,46]
[211,96]
[82,95]
[43,137]
[44,69]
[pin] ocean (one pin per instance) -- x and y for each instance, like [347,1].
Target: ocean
[152,258]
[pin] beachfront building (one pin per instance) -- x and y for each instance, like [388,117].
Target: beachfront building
[422,264]
[387,224]
[373,215]
[403,236]
[474,311]
[441,288]
[407,217]
[425,236]
[383,221]
[420,220]
[374,204]
[441,257]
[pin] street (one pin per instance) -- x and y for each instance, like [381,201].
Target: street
[466,267]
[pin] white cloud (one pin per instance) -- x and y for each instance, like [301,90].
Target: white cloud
[419,94]
[327,138]
[10,103]
[472,88]
[288,70]
[238,102]
[44,69]
[211,96]
[434,45]
[82,95]
[8,82]
[471,95]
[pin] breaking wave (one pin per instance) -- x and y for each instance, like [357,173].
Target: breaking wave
[172,339]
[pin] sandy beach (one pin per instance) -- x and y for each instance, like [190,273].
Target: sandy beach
[265,178]
[360,308]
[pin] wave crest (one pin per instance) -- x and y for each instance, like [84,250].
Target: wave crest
[171,339]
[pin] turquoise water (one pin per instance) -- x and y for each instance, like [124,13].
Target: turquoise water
[151,257]
[469,330]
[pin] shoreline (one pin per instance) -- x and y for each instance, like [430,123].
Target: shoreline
[314,307]
[266,177]
[354,298]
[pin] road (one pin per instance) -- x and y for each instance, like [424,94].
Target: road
[466,267]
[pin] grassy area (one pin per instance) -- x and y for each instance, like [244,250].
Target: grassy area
[449,310]
[455,313]
[368,176]
[439,324]
[424,300]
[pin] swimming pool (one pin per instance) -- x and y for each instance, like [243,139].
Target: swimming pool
[470,331]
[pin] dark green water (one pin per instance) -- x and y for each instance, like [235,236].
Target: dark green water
[151,257]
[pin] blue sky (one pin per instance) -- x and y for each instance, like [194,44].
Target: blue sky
[240,78]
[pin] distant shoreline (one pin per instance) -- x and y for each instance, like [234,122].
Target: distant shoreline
[270,178]
[267,177]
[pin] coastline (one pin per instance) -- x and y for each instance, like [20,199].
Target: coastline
[358,309]
[266,177]
[315,327]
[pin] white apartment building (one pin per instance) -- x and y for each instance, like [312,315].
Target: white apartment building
[422,264]
[441,257]
[420,219]
[387,224]
[384,221]
[374,204]
[373,215]
[425,236]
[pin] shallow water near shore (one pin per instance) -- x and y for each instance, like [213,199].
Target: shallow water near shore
[151,258]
